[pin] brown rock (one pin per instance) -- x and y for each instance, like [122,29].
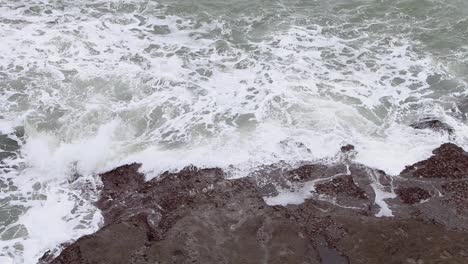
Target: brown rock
[194,216]
[412,195]
[448,161]
[341,185]
[456,193]
[198,216]
[391,241]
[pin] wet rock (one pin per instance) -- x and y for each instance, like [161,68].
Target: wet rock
[119,182]
[444,177]
[161,30]
[433,124]
[122,180]
[448,161]
[373,240]
[198,216]
[343,185]
[194,216]
[347,148]
[308,172]
[457,194]
[271,179]
[113,244]
[412,195]
[46,257]
[8,144]
[8,147]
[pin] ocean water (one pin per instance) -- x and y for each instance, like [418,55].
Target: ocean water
[89,85]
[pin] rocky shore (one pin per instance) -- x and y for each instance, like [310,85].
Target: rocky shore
[349,213]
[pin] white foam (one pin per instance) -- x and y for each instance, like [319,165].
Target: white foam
[294,196]
[6,127]
[6,260]
[108,91]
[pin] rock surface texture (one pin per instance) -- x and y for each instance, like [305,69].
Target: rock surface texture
[199,216]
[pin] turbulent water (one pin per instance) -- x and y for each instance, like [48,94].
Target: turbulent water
[89,85]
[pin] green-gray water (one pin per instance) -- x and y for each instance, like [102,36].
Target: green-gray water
[88,85]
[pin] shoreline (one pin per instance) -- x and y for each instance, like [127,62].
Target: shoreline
[349,213]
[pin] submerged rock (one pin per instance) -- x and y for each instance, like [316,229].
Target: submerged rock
[199,216]
[433,124]
[309,172]
[347,148]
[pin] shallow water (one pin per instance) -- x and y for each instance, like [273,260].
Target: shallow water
[89,85]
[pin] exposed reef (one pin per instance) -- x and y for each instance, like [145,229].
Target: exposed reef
[349,214]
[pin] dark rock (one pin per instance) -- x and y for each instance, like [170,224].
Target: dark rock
[115,243]
[9,146]
[347,148]
[412,195]
[433,124]
[373,240]
[307,172]
[119,182]
[448,161]
[198,216]
[122,180]
[46,257]
[457,194]
[444,174]
[339,186]
[194,216]
[460,187]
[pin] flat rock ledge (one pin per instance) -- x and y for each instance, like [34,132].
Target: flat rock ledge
[350,214]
